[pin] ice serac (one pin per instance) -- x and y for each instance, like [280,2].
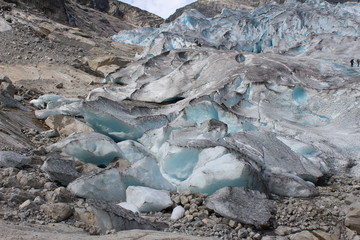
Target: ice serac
[148,199]
[105,184]
[88,147]
[243,205]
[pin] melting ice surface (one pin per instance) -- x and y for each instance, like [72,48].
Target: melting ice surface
[269,101]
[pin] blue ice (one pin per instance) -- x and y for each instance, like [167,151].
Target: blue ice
[299,95]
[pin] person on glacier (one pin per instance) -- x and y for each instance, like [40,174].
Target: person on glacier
[197,43]
[352,62]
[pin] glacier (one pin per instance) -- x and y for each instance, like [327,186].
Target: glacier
[268,101]
[269,28]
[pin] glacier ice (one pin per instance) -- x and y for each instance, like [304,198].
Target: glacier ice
[217,169]
[133,151]
[129,206]
[88,147]
[148,199]
[268,102]
[146,172]
[104,184]
[55,104]
[119,121]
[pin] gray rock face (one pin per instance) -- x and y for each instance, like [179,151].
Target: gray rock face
[110,216]
[13,159]
[7,91]
[210,8]
[60,169]
[243,205]
[106,185]
[125,12]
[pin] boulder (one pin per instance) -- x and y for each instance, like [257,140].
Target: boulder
[4,25]
[104,184]
[313,235]
[110,216]
[13,159]
[352,219]
[148,199]
[242,205]
[60,194]
[288,185]
[60,169]
[106,64]
[57,211]
[67,125]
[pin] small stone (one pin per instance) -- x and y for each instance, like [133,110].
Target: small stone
[50,185]
[184,200]
[189,218]
[60,85]
[49,134]
[93,230]
[187,206]
[60,194]
[242,233]
[232,224]
[39,200]
[209,222]
[25,204]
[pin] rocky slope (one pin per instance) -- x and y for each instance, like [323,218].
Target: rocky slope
[104,18]
[210,8]
[273,120]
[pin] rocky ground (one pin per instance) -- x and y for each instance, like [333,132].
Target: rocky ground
[40,56]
